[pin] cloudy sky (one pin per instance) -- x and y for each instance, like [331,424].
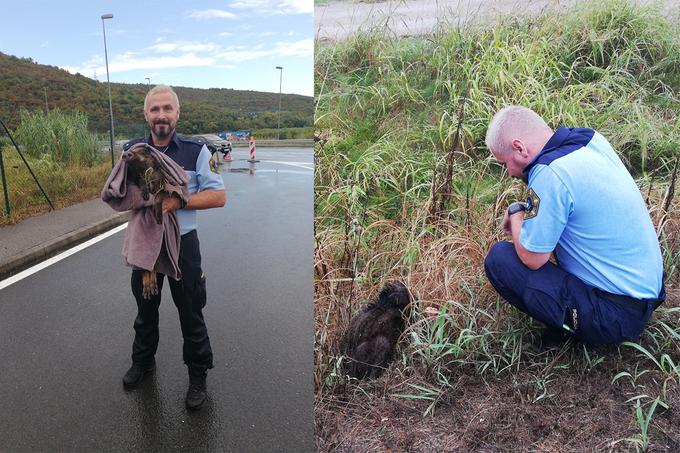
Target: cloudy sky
[202,44]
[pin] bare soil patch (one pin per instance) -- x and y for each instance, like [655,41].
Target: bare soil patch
[563,411]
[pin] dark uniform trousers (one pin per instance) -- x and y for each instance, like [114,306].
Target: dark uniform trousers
[555,297]
[189,295]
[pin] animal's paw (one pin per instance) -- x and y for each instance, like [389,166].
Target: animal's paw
[149,285]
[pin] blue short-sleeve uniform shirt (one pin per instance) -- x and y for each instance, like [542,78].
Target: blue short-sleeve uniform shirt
[193,156]
[586,207]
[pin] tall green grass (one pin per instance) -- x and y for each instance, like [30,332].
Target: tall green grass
[65,184]
[386,115]
[65,157]
[62,136]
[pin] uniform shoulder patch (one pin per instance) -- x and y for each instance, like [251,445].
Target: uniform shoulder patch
[533,203]
[214,165]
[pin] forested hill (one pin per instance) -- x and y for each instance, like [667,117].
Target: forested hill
[24,84]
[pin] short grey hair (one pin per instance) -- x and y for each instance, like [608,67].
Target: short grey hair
[160,89]
[522,121]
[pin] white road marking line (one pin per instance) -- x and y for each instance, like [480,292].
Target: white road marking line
[304,165]
[42,265]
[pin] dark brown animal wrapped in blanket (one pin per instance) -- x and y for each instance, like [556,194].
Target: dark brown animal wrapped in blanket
[140,181]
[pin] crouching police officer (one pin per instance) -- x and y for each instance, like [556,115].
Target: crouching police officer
[584,207]
[206,190]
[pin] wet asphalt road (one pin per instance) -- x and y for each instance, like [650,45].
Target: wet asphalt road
[66,334]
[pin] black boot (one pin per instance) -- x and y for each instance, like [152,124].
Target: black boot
[196,394]
[136,373]
[553,339]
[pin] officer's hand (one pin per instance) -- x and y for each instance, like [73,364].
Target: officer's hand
[506,223]
[514,209]
[171,204]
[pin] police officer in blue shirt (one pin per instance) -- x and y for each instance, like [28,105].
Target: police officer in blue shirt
[206,190]
[584,207]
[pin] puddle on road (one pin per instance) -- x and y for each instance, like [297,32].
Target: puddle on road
[226,167]
[287,172]
[266,170]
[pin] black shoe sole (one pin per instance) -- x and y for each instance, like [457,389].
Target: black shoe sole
[136,383]
[196,408]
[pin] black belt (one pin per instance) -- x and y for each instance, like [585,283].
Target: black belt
[639,305]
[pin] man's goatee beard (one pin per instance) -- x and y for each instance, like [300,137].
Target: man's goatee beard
[161,132]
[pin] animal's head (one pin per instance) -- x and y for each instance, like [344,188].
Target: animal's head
[139,158]
[392,295]
[397,294]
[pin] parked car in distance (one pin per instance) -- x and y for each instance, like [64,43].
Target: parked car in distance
[215,143]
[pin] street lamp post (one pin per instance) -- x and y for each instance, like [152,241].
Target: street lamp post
[148,85]
[278,129]
[108,81]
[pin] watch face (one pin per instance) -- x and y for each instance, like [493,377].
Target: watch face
[515,208]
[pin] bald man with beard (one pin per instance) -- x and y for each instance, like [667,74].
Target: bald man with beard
[584,208]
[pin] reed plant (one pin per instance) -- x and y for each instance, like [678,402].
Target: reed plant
[63,136]
[67,159]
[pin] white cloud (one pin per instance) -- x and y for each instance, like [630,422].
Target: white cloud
[302,48]
[182,46]
[236,54]
[182,54]
[275,7]
[93,64]
[211,14]
[125,63]
[298,6]
[130,61]
[226,33]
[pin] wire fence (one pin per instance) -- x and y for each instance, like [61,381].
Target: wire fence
[52,160]
[31,186]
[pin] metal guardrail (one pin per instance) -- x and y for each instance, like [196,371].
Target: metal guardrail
[289,143]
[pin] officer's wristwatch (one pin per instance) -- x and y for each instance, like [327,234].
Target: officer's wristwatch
[517,207]
[182,202]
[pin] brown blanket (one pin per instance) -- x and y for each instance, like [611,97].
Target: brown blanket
[147,244]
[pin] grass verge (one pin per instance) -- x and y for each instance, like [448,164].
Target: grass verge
[65,184]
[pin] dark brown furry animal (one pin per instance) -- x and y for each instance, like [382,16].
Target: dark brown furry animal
[373,334]
[145,172]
